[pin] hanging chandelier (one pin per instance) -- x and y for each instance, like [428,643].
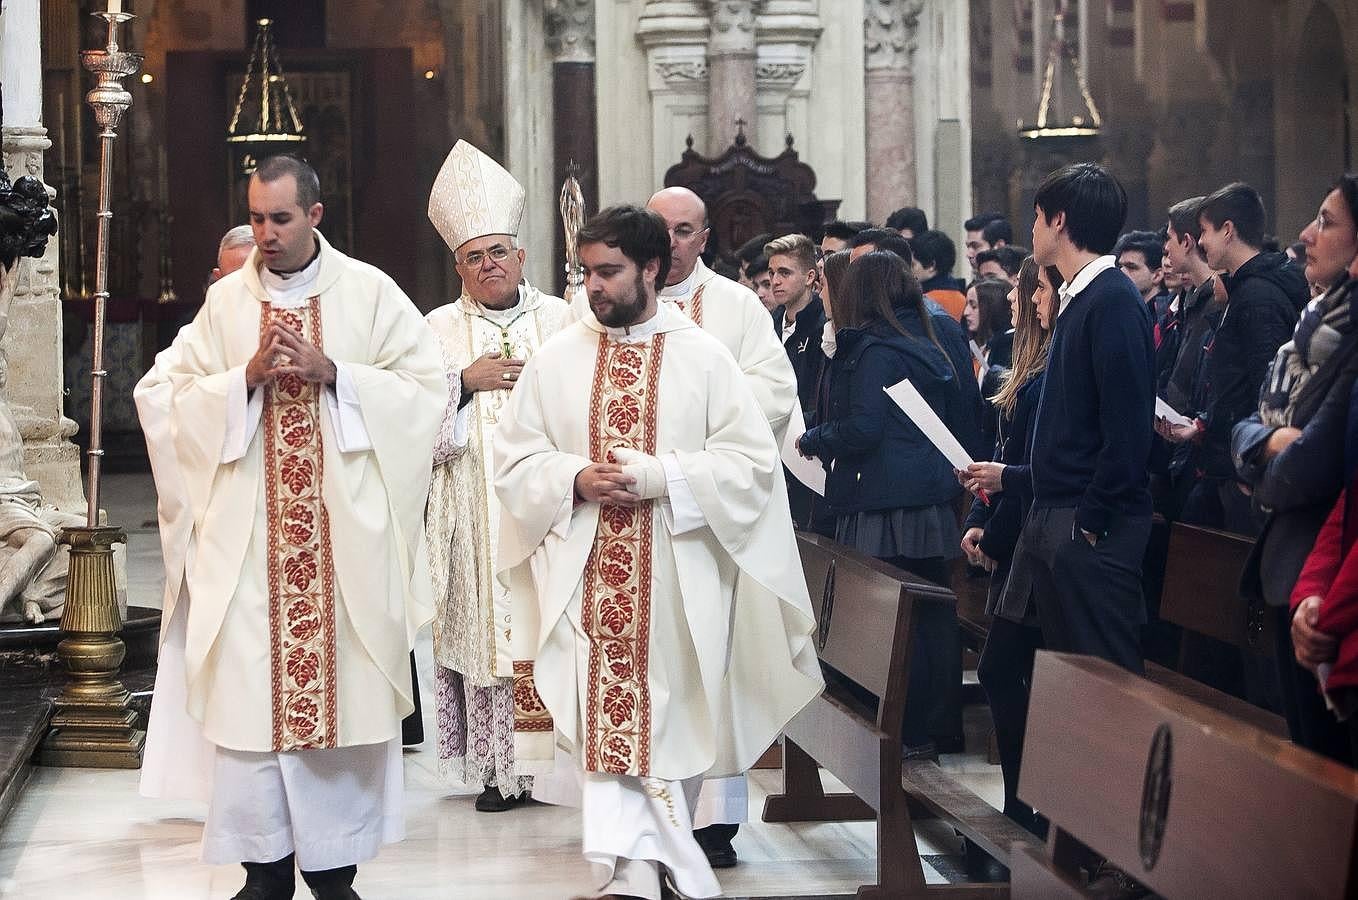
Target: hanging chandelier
[1066,108]
[265,120]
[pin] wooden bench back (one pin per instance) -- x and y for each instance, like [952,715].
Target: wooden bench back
[863,611]
[1202,575]
[1188,801]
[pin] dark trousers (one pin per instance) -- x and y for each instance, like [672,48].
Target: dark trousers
[1088,597]
[412,726]
[1309,723]
[1006,674]
[933,700]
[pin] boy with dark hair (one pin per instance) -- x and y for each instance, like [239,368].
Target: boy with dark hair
[909,221]
[976,242]
[837,234]
[757,273]
[1079,557]
[998,233]
[1139,254]
[1265,293]
[881,239]
[1001,262]
[935,255]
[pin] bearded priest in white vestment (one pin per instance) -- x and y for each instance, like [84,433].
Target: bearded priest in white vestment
[659,610]
[293,421]
[485,335]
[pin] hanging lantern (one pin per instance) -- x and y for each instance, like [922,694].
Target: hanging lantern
[265,121]
[1066,112]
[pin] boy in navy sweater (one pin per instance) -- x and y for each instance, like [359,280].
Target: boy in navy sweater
[1079,557]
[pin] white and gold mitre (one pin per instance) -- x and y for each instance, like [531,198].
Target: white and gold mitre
[474,196]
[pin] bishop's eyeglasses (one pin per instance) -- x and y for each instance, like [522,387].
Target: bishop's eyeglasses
[498,254]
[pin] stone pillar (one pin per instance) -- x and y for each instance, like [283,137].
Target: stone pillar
[889,41]
[32,342]
[787,32]
[674,34]
[570,35]
[731,73]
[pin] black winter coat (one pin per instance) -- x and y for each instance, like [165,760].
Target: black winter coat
[878,459]
[1265,297]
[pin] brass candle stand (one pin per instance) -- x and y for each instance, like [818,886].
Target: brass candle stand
[94,724]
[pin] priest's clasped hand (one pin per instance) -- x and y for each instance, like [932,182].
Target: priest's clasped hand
[491,372]
[282,351]
[605,483]
[646,471]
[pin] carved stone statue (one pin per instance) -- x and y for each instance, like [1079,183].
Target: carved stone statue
[32,566]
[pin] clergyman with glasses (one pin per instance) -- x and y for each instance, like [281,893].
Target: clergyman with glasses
[733,314]
[486,334]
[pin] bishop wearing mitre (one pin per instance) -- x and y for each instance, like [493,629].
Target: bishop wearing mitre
[294,422]
[486,335]
[661,630]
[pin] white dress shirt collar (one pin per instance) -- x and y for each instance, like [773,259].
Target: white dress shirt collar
[1092,269]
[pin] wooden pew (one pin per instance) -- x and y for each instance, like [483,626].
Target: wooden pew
[1189,801]
[864,610]
[1200,594]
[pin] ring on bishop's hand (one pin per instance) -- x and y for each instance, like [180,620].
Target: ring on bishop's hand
[507,376]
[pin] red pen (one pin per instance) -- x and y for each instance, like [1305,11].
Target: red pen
[985,498]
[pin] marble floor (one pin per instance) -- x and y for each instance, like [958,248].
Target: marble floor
[81,834]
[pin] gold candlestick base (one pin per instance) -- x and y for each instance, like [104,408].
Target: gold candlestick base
[93,724]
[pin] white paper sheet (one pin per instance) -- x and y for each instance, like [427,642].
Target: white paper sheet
[809,472]
[1164,411]
[924,417]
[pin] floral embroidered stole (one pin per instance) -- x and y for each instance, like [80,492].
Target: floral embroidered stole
[300,568]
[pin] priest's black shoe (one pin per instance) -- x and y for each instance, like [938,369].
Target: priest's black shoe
[332,884]
[491,800]
[716,843]
[268,881]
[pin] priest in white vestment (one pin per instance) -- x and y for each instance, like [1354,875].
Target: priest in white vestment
[485,335]
[732,314]
[659,609]
[292,422]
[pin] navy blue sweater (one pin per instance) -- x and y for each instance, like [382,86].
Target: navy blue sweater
[1092,438]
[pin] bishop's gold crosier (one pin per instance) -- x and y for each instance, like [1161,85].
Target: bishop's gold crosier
[301,571]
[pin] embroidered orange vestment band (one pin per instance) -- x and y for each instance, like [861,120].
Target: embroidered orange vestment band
[693,307]
[300,568]
[616,604]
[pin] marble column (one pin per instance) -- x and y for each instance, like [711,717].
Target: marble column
[32,342]
[575,129]
[674,34]
[731,85]
[787,32]
[889,42]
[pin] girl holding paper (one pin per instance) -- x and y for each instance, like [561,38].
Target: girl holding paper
[890,489]
[992,530]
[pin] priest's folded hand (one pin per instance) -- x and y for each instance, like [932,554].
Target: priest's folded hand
[648,472]
[301,357]
[605,483]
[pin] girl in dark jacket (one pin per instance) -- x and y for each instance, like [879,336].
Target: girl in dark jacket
[1006,666]
[890,489]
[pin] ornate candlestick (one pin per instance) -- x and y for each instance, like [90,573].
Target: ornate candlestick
[93,724]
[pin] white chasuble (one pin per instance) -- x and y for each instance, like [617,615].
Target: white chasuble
[732,314]
[472,612]
[667,642]
[306,563]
